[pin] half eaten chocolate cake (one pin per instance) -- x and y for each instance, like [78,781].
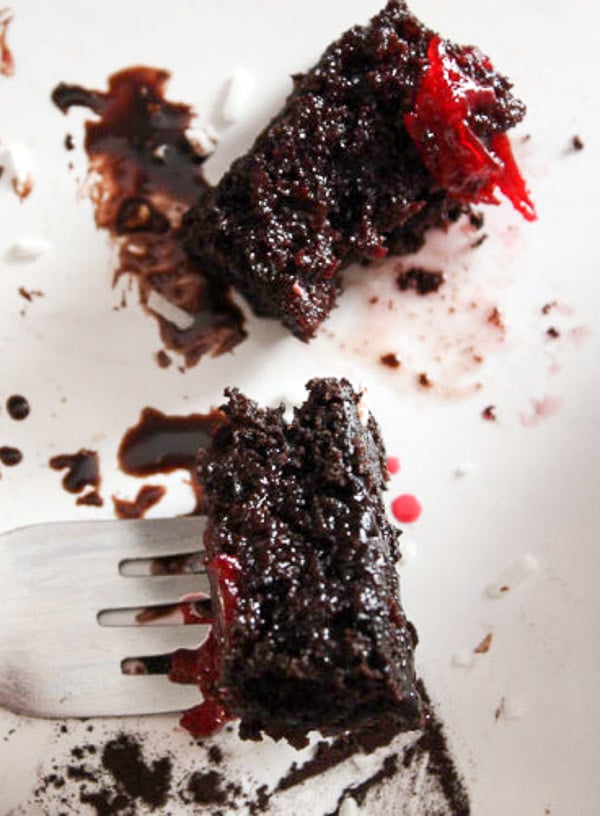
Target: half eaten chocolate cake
[309,632]
[392,132]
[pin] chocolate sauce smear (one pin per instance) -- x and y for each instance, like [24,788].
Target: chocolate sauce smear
[144,173]
[17,407]
[161,444]
[83,470]
[147,497]
[10,456]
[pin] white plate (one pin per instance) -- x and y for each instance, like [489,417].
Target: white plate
[532,484]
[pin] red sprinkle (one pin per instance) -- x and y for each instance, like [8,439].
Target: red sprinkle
[406,508]
[393,464]
[445,105]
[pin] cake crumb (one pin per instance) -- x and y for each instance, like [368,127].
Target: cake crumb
[577,144]
[390,360]
[484,646]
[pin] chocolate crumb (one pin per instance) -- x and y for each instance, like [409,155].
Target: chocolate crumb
[163,359]
[373,300]
[424,380]
[496,319]
[122,757]
[476,219]
[423,281]
[69,143]
[553,332]
[482,238]
[207,788]
[215,755]
[390,360]
[30,294]
[17,407]
[484,646]
[547,308]
[576,143]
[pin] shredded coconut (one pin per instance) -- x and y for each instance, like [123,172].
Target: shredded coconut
[173,314]
[237,98]
[28,249]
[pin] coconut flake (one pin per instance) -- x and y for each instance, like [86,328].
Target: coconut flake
[202,139]
[237,98]
[408,550]
[172,314]
[511,578]
[463,659]
[18,161]
[28,249]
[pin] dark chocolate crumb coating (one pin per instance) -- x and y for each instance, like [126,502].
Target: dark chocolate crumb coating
[318,639]
[335,177]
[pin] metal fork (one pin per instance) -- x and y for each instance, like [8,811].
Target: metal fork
[57,581]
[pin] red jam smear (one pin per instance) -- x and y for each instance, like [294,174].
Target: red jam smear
[461,162]
[203,666]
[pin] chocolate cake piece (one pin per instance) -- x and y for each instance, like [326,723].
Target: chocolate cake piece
[392,132]
[309,632]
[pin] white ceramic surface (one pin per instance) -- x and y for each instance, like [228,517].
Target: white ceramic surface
[530,484]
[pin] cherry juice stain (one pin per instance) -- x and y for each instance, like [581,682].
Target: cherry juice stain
[160,443]
[406,508]
[18,407]
[83,470]
[147,497]
[7,62]
[144,174]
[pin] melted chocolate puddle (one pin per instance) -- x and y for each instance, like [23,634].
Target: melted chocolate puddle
[147,497]
[160,443]
[144,173]
[83,470]
[17,406]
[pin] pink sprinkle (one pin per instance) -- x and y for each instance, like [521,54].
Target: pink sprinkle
[406,508]
[393,464]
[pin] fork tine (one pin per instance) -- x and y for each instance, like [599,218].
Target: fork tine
[121,592]
[55,658]
[112,541]
[114,644]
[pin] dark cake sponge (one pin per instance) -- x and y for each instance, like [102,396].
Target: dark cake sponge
[336,176]
[317,638]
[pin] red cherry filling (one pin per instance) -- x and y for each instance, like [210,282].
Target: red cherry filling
[203,666]
[463,163]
